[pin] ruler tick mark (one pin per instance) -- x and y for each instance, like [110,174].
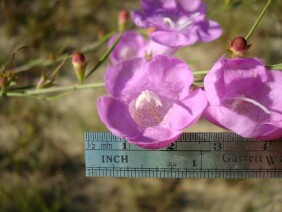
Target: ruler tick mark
[194,155]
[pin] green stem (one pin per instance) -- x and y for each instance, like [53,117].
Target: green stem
[258,19]
[105,56]
[200,72]
[45,62]
[33,93]
[275,67]
[65,88]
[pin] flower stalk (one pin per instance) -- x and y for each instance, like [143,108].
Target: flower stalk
[258,19]
[53,90]
[105,56]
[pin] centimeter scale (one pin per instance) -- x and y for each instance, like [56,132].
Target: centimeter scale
[193,155]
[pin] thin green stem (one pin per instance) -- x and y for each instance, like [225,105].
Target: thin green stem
[201,72]
[45,62]
[200,75]
[275,67]
[34,93]
[65,88]
[105,56]
[258,19]
[58,68]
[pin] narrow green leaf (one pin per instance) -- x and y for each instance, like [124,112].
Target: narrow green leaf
[105,56]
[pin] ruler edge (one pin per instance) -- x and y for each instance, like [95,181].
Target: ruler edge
[264,173]
[231,137]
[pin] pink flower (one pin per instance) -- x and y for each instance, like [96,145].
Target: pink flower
[177,22]
[134,45]
[150,103]
[245,97]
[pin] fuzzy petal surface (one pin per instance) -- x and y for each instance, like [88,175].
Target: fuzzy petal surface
[127,78]
[130,46]
[139,19]
[116,117]
[165,75]
[192,6]
[149,6]
[169,77]
[187,112]
[244,97]
[208,31]
[174,39]
[156,137]
[158,49]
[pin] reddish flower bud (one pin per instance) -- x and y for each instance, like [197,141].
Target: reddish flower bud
[123,17]
[100,34]
[78,59]
[239,45]
[79,65]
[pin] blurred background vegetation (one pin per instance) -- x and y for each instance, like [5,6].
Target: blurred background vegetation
[41,142]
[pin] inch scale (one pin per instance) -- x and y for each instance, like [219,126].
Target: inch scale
[193,155]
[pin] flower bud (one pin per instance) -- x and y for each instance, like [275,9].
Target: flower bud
[239,46]
[123,17]
[43,81]
[3,83]
[6,78]
[79,64]
[100,34]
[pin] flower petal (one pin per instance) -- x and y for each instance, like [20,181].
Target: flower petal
[214,82]
[208,31]
[130,46]
[192,6]
[234,77]
[173,38]
[275,85]
[186,113]
[271,134]
[241,74]
[126,78]
[169,77]
[244,125]
[150,6]
[158,49]
[156,138]
[139,19]
[116,117]
[208,115]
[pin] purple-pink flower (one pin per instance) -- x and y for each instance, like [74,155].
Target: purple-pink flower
[245,97]
[177,22]
[134,45]
[150,102]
